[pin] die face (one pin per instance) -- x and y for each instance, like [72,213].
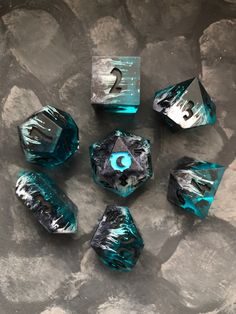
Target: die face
[193,185]
[121,162]
[117,240]
[50,205]
[185,105]
[49,137]
[116,84]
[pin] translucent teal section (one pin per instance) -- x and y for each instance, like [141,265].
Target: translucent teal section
[121,109]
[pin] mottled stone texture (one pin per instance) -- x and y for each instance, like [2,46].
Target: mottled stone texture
[187,266]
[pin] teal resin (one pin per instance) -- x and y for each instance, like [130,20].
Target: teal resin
[49,204]
[193,185]
[185,105]
[125,99]
[49,137]
[117,240]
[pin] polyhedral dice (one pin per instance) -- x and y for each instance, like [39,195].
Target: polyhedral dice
[193,184]
[185,105]
[116,84]
[50,205]
[121,162]
[49,137]
[117,240]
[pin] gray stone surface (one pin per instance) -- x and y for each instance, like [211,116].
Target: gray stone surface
[187,266]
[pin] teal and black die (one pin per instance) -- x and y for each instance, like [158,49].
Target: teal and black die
[117,240]
[116,84]
[185,105]
[50,205]
[121,162]
[49,137]
[193,184]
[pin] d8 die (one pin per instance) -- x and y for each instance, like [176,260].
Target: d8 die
[193,184]
[116,84]
[121,162]
[185,105]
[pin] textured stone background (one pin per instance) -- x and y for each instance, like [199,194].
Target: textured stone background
[188,266]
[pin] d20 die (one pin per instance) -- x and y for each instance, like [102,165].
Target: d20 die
[121,162]
[49,137]
[117,240]
[193,184]
[185,105]
[49,204]
[116,84]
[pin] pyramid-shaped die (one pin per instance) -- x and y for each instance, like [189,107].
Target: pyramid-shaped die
[49,204]
[185,105]
[121,162]
[193,184]
[117,240]
[49,137]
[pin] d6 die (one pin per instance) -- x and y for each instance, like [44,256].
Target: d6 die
[116,84]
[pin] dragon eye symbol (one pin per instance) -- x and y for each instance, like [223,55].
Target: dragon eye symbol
[120,161]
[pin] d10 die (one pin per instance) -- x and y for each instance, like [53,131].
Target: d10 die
[50,205]
[116,84]
[185,105]
[117,240]
[49,137]
[121,162]
[193,184]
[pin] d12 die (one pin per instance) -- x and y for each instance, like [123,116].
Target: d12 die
[121,162]
[49,204]
[49,137]
[116,84]
[193,184]
[117,240]
[185,105]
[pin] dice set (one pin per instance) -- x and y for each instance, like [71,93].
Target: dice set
[120,163]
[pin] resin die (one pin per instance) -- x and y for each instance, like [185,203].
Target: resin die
[117,240]
[49,137]
[49,204]
[116,84]
[185,105]
[193,184]
[121,162]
